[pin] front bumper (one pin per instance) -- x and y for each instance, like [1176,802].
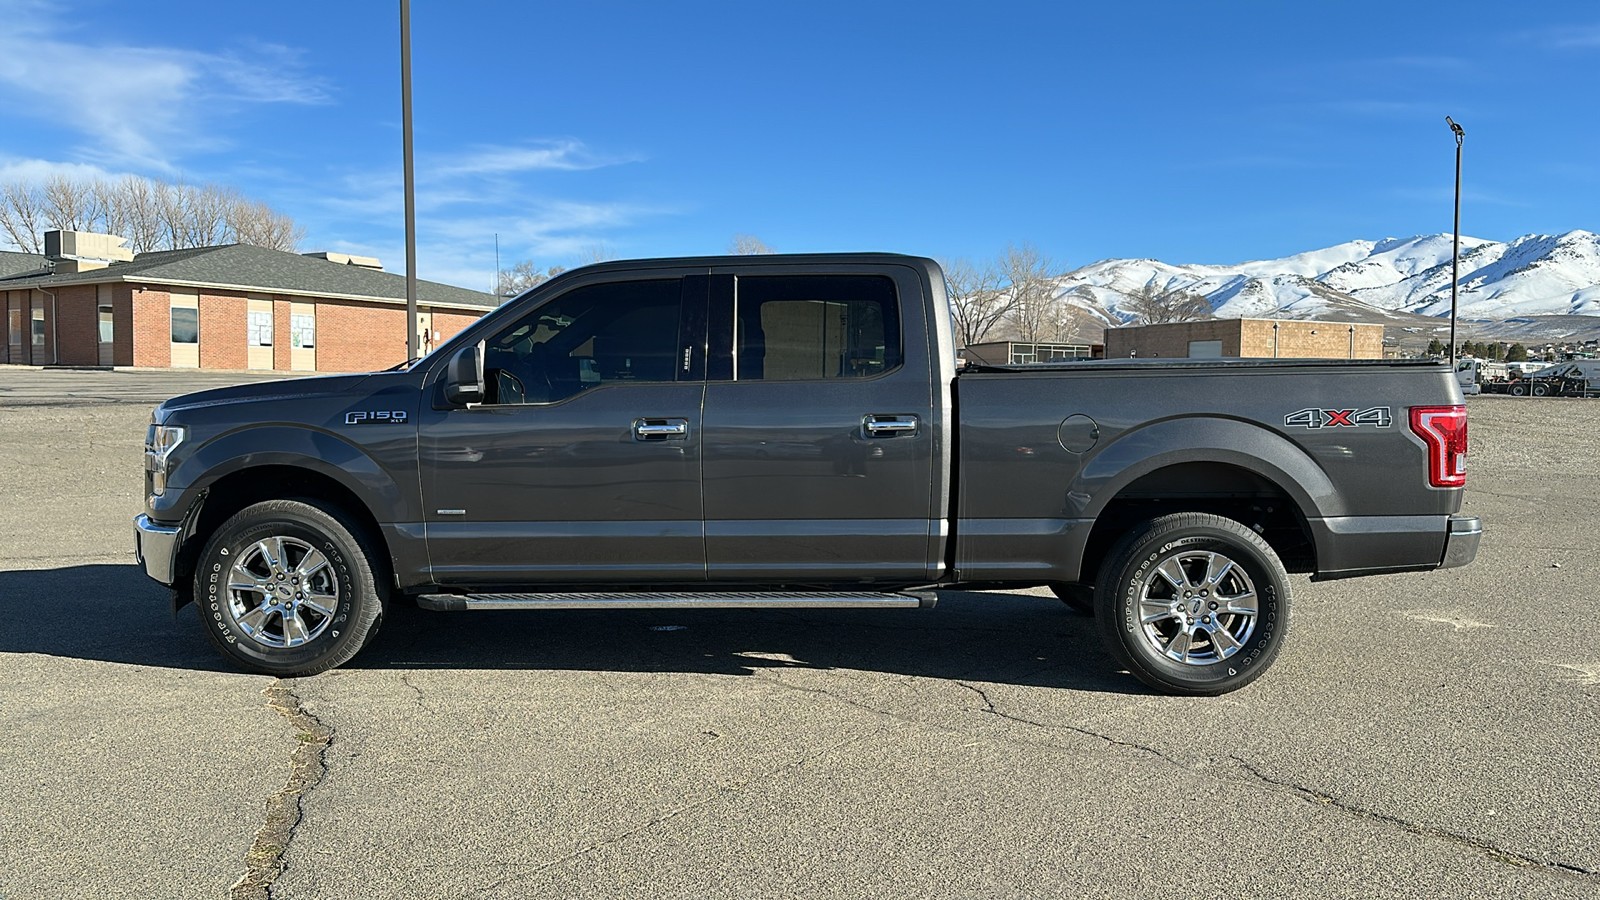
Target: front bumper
[1461,542]
[156,546]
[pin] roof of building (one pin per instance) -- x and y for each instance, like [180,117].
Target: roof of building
[13,263]
[248,268]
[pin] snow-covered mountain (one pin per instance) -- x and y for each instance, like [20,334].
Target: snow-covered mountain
[1395,280]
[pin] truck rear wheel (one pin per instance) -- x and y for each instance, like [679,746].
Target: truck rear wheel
[1541,390]
[285,587]
[1193,604]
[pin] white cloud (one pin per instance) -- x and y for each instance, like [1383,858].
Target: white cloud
[562,155]
[38,171]
[132,103]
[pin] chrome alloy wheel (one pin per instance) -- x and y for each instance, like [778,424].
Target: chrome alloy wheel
[1198,607]
[282,592]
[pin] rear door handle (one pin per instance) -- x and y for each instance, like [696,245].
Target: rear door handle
[660,429]
[887,425]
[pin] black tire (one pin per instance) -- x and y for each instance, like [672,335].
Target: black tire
[1080,597]
[1519,390]
[1541,390]
[1237,648]
[289,633]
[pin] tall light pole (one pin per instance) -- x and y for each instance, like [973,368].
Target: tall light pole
[1455,256]
[410,179]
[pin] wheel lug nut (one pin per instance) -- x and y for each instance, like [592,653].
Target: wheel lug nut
[1213,604]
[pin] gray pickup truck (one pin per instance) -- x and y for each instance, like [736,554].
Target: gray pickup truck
[795,431]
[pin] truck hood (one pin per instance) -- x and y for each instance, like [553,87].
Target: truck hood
[256,392]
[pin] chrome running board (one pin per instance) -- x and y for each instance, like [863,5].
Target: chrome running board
[679,600]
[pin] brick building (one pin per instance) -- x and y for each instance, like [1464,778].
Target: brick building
[89,302]
[1269,338]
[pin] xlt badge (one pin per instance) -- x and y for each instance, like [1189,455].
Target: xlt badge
[376,417]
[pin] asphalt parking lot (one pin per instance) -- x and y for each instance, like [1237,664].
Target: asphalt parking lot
[1422,736]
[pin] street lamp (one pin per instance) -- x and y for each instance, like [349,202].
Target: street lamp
[1455,256]
[410,179]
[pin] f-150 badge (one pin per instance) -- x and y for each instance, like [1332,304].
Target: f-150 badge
[1377,417]
[376,417]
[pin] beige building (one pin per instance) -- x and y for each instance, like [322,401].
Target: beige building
[1255,338]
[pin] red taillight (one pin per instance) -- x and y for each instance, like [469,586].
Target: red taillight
[1444,430]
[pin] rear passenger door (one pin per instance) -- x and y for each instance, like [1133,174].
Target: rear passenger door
[819,427]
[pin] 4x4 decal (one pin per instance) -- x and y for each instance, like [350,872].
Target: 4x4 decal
[1377,417]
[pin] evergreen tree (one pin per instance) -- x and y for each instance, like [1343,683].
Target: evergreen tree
[1435,348]
[1517,353]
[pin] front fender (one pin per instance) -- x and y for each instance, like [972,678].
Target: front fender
[281,445]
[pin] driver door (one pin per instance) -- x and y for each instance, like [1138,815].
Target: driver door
[583,463]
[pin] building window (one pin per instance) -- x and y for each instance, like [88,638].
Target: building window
[185,325]
[38,325]
[1205,349]
[302,331]
[259,329]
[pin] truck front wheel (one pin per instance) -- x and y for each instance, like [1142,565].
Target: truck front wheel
[1193,604]
[285,587]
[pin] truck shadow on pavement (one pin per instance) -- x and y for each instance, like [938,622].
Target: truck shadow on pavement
[112,613]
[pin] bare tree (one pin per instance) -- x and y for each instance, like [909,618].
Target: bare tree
[152,215]
[141,214]
[1150,305]
[976,301]
[1030,278]
[523,276]
[68,204]
[748,245]
[22,215]
[254,222]
[207,210]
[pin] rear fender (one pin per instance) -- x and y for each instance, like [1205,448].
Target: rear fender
[1234,442]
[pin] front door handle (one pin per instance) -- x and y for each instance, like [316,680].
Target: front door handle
[660,429]
[888,426]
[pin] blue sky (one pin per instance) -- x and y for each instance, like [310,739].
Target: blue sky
[1188,132]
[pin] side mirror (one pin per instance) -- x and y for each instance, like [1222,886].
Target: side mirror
[463,376]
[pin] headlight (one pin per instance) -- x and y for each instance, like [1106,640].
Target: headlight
[159,442]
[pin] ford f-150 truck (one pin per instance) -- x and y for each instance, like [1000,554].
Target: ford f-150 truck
[795,431]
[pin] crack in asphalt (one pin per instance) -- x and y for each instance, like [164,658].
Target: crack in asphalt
[1498,854]
[1075,729]
[308,765]
[722,792]
[422,701]
[1566,871]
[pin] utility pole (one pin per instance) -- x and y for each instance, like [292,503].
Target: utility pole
[1455,256]
[410,179]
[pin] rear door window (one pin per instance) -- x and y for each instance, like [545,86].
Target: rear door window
[815,327]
